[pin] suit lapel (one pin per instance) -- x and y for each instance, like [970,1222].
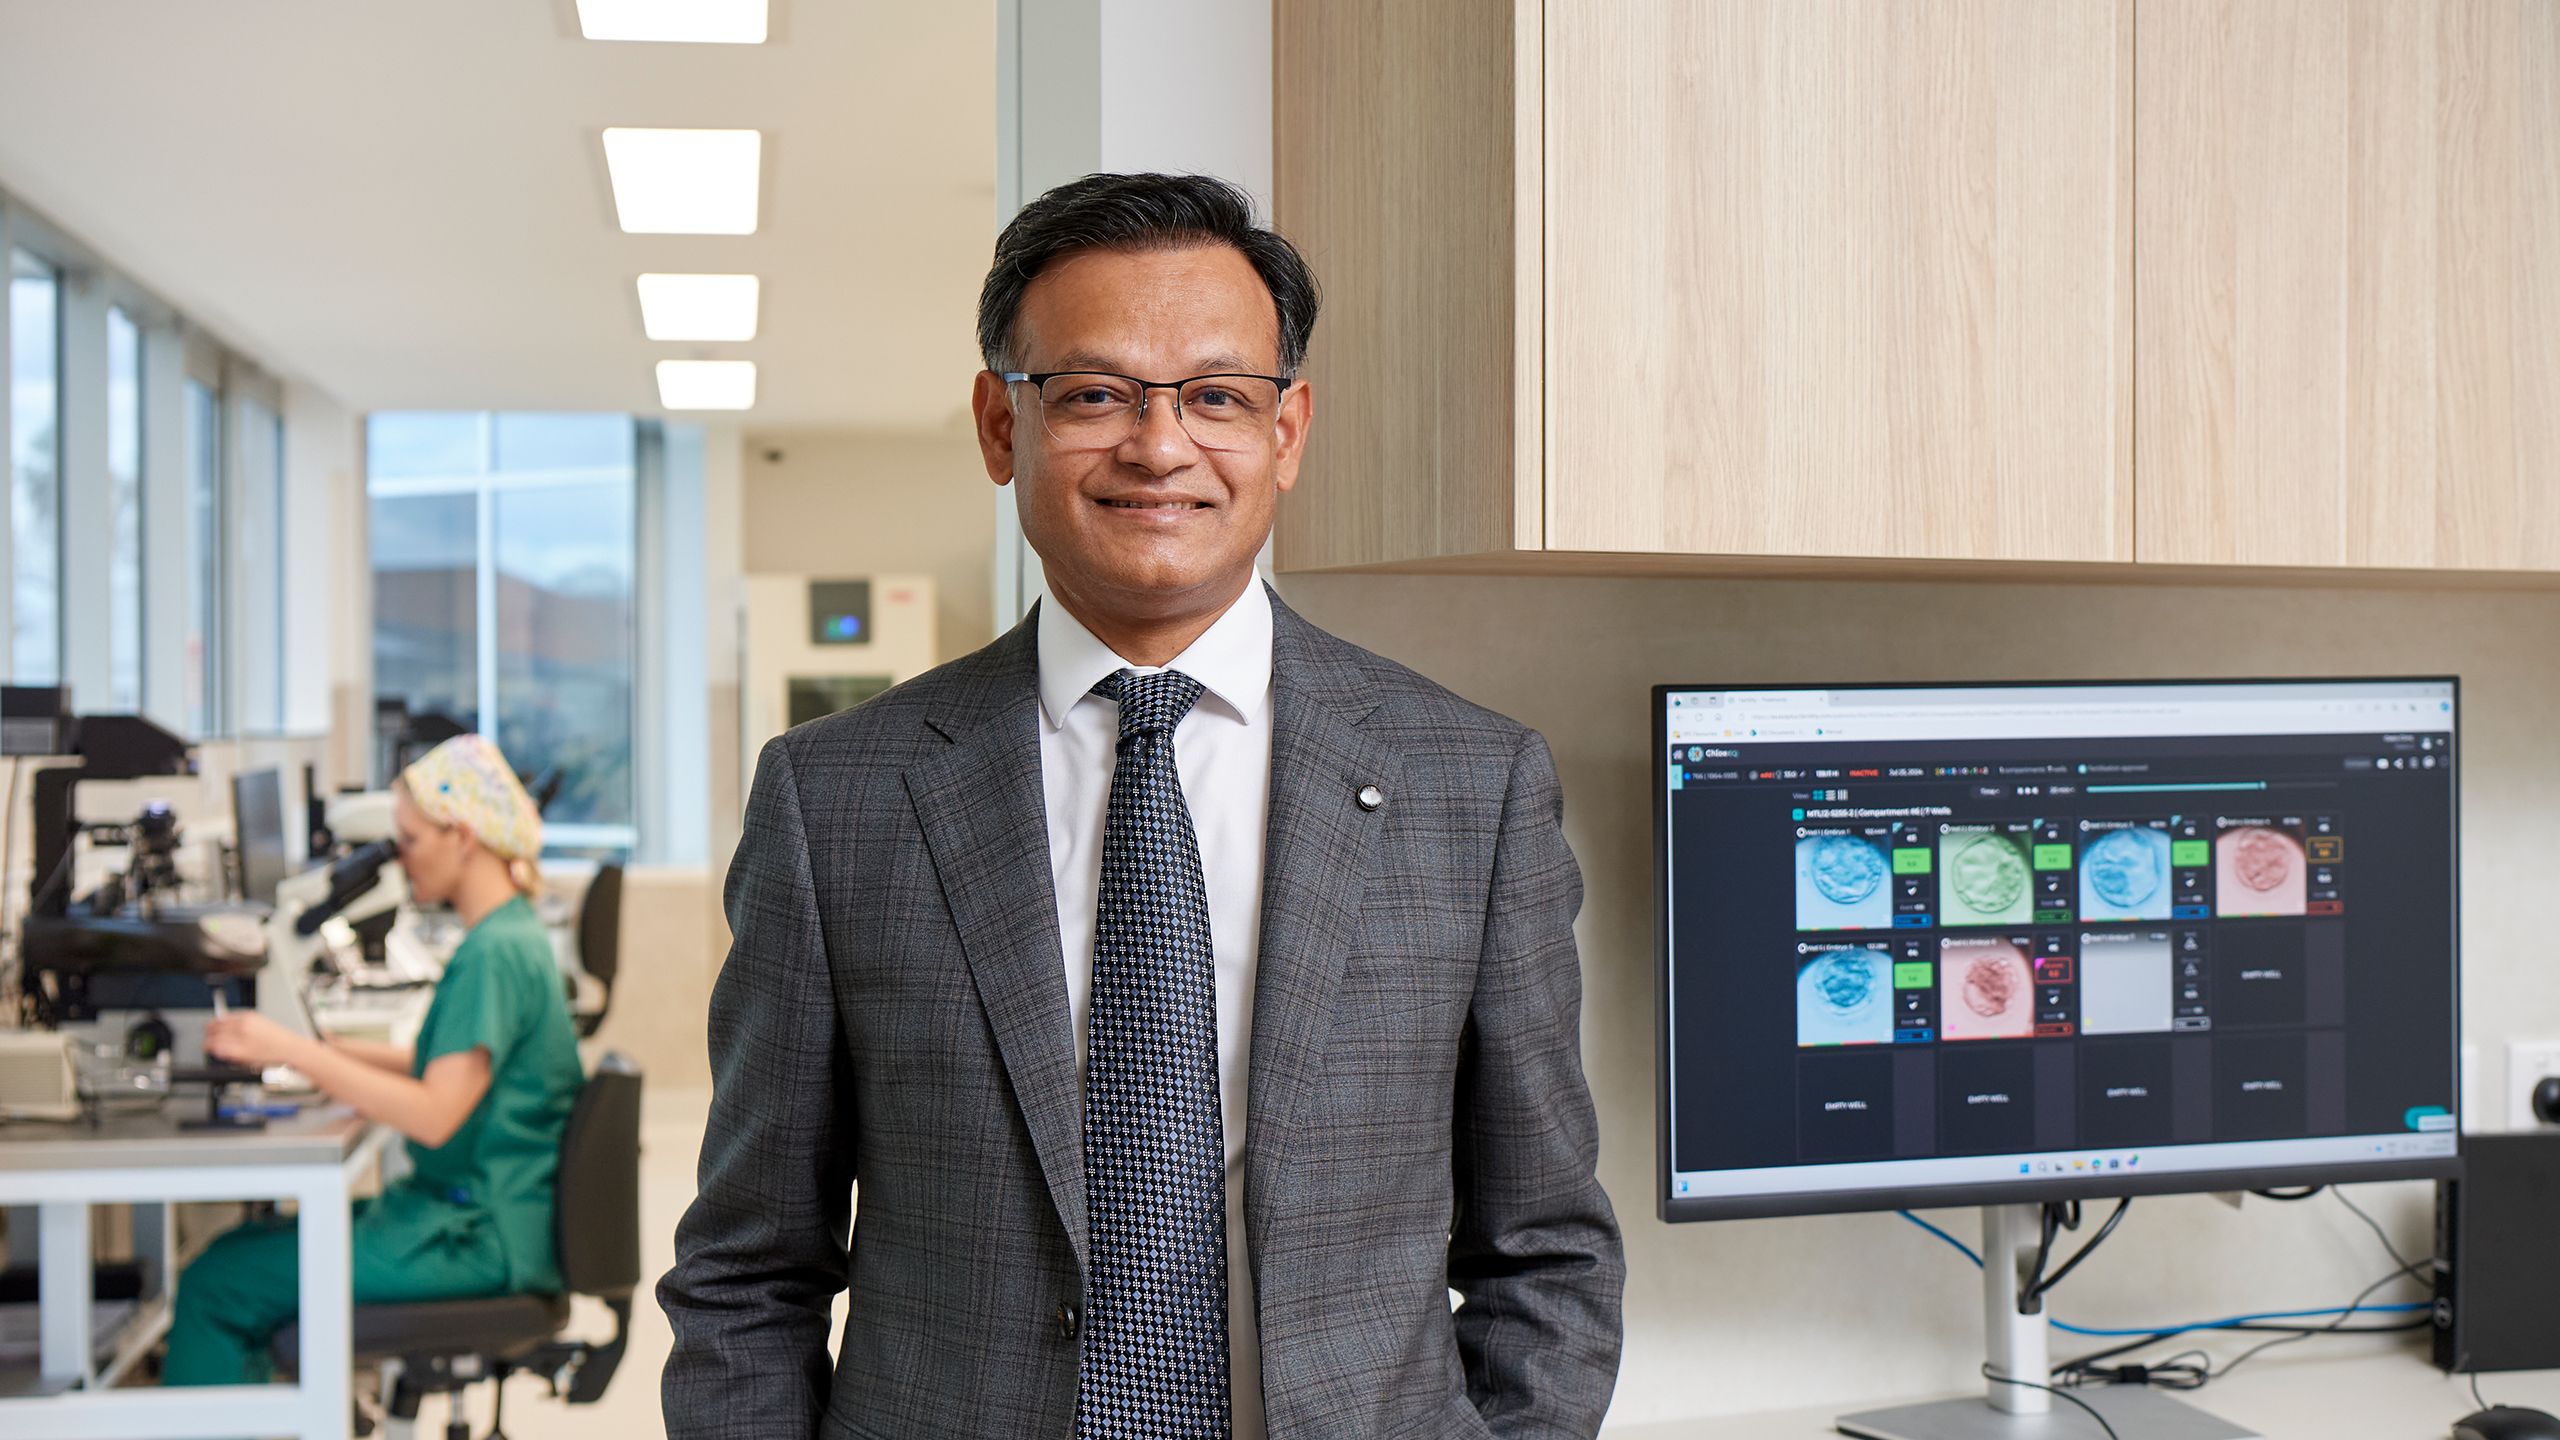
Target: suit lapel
[1316,850]
[985,821]
[984,816]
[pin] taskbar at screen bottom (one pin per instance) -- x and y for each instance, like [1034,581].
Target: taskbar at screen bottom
[2154,1167]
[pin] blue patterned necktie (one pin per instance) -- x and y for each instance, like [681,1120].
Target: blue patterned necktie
[1155,1337]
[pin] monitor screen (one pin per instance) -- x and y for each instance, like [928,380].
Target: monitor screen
[257,817]
[32,719]
[1983,943]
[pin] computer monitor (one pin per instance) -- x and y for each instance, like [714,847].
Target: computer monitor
[34,720]
[1996,944]
[257,818]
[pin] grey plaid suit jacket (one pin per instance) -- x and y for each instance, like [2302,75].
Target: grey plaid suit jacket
[894,1012]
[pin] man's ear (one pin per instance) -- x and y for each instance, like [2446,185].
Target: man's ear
[991,405]
[1297,417]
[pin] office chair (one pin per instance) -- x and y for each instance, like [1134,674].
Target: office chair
[447,1346]
[600,940]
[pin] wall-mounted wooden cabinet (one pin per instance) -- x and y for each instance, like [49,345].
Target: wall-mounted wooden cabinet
[2347,264]
[1656,284]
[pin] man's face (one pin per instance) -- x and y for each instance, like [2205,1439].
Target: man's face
[1156,526]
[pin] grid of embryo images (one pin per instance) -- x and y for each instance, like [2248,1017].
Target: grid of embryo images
[1920,932]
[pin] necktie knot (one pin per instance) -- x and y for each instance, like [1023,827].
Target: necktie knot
[1151,703]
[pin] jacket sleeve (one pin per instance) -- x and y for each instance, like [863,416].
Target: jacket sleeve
[761,1253]
[1534,1254]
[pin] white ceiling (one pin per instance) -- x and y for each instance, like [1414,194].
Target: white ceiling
[405,204]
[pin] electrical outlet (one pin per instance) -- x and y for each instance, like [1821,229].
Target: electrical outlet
[2529,1063]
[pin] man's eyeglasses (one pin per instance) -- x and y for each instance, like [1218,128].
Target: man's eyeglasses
[1097,410]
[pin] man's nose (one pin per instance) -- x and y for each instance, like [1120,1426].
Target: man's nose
[1158,442]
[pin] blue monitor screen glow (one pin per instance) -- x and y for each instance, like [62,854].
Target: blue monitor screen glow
[1981,944]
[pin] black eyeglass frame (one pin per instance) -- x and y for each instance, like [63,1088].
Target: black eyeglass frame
[1039,380]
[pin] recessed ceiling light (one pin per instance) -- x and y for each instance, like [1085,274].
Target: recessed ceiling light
[707,384]
[685,182]
[698,307]
[701,22]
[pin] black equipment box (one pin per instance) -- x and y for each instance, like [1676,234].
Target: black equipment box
[2497,1269]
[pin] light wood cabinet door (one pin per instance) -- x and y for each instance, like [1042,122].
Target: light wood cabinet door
[2347,255]
[1404,165]
[1835,278]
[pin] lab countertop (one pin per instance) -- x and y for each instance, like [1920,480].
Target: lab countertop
[2392,1395]
[148,1140]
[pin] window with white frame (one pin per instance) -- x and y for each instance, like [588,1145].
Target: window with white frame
[132,435]
[503,550]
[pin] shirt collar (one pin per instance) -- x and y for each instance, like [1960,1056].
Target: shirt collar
[1231,659]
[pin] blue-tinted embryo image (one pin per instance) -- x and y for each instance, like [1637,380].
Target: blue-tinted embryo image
[1843,997]
[2124,875]
[1840,884]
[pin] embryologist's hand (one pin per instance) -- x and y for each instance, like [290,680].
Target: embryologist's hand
[250,1040]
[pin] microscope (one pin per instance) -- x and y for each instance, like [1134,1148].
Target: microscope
[323,912]
[124,944]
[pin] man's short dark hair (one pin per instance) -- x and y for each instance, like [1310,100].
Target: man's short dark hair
[1137,213]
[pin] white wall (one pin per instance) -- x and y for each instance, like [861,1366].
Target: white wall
[673,934]
[165,527]
[844,502]
[1747,1315]
[328,590]
[1121,85]
[87,495]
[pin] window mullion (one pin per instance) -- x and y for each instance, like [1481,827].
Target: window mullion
[485,717]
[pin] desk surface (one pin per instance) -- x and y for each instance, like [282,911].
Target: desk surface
[151,1140]
[2392,1395]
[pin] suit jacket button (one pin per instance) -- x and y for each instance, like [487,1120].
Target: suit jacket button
[1067,1319]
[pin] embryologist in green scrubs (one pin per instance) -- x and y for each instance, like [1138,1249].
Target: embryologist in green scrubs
[483,1099]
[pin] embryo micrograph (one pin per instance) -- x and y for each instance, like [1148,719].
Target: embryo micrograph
[1840,883]
[2261,858]
[1846,869]
[2124,875]
[1987,989]
[1986,878]
[1844,997]
[2259,870]
[1990,985]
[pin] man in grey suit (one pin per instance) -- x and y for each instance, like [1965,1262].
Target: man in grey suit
[1191,994]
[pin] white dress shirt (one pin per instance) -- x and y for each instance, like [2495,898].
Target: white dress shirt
[1222,750]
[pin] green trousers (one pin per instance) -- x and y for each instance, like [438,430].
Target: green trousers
[247,1285]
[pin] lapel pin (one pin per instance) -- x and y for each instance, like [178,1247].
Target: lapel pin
[1371,797]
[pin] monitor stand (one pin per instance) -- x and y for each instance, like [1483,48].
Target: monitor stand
[2016,1346]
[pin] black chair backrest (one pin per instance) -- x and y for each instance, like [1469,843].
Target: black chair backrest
[596,1220]
[600,927]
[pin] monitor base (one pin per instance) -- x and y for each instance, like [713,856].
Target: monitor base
[2015,1343]
[2136,1413]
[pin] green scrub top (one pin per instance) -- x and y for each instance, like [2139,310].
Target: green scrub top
[502,993]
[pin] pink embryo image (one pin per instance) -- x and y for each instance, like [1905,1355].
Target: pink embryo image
[2258,871]
[1986,991]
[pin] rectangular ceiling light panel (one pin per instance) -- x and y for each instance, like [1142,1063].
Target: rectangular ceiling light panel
[698,307]
[707,384]
[685,182]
